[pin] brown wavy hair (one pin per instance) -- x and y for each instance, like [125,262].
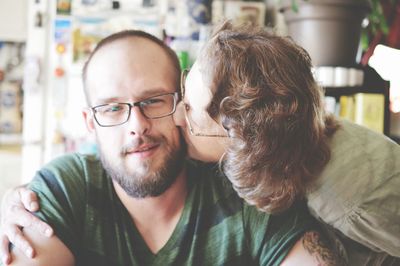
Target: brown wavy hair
[265,95]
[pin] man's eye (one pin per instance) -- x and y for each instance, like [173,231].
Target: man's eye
[112,109]
[152,102]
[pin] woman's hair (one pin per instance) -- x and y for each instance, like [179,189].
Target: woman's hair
[266,97]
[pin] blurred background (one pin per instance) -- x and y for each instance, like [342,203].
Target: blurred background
[354,45]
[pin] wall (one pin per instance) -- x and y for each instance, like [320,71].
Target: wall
[13,24]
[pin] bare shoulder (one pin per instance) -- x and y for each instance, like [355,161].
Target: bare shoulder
[49,251]
[312,249]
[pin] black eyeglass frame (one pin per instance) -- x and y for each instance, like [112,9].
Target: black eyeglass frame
[139,105]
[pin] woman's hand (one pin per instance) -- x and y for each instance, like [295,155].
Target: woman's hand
[15,214]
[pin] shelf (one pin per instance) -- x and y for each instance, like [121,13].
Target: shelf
[337,91]
[372,83]
[10,139]
[97,15]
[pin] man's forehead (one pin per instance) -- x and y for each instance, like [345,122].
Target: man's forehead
[129,51]
[131,44]
[115,66]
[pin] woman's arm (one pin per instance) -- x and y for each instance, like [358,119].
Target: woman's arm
[312,249]
[15,214]
[51,251]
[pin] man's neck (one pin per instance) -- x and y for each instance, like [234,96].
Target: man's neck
[156,217]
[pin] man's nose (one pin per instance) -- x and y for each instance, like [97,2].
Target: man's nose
[179,115]
[138,124]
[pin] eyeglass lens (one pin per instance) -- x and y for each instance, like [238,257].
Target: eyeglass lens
[113,114]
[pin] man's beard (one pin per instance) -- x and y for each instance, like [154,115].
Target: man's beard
[145,181]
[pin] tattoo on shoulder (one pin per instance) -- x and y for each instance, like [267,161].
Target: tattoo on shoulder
[318,247]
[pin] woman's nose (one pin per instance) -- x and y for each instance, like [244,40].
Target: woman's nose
[179,115]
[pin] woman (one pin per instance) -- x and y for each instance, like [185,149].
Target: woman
[250,102]
[258,89]
[271,108]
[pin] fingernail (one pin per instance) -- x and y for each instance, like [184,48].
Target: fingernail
[29,252]
[34,206]
[48,232]
[6,259]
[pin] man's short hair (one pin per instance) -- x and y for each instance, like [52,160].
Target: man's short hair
[132,34]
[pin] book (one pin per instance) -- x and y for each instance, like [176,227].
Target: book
[347,104]
[370,110]
[330,104]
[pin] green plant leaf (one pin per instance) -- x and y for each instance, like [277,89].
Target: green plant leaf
[295,6]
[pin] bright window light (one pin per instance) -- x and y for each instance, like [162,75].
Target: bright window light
[386,61]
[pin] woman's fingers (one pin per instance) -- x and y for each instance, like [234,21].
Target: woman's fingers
[16,237]
[4,249]
[29,199]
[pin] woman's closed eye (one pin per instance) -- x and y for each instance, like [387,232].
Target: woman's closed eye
[187,107]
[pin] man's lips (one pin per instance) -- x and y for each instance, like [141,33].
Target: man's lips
[143,150]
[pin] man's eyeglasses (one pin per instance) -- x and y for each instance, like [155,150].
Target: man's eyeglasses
[193,128]
[114,114]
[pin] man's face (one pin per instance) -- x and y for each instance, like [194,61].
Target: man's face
[144,156]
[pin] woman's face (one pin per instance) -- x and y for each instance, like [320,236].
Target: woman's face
[205,137]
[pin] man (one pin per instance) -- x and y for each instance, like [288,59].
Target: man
[141,203]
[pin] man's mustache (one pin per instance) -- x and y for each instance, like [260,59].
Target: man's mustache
[137,142]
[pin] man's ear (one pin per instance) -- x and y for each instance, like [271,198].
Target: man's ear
[89,119]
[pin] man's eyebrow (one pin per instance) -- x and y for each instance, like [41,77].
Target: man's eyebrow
[146,94]
[108,100]
[154,92]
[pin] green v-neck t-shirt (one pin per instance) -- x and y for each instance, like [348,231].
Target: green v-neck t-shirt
[216,227]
